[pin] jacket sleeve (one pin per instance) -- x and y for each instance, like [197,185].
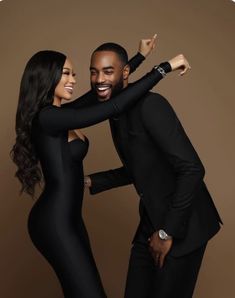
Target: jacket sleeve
[106,180]
[167,132]
[55,119]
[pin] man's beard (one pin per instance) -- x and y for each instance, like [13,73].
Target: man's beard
[115,89]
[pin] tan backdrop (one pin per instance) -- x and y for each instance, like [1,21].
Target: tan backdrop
[204,100]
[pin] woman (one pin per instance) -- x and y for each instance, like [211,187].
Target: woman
[49,135]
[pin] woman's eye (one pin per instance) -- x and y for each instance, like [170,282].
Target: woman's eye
[66,73]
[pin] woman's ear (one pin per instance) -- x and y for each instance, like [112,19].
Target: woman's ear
[126,72]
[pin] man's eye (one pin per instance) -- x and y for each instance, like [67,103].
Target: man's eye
[93,73]
[108,72]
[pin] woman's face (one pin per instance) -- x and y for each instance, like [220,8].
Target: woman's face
[64,89]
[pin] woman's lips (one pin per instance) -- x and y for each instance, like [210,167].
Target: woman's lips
[69,89]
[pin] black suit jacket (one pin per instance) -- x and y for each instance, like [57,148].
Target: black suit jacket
[160,160]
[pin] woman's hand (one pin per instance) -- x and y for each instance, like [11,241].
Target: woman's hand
[180,62]
[147,45]
[87,181]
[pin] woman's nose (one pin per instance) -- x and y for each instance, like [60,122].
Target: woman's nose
[72,80]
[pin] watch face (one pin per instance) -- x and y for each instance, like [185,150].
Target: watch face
[162,234]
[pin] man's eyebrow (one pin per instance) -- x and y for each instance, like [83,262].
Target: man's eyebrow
[104,68]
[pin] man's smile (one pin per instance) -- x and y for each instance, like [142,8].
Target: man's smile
[103,90]
[103,87]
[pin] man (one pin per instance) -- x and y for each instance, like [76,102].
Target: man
[177,214]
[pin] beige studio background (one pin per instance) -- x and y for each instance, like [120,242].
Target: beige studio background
[204,100]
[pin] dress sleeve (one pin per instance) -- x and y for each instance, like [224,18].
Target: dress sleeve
[85,100]
[106,180]
[135,62]
[89,97]
[55,119]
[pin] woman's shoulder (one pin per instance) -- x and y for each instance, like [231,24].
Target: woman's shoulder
[45,116]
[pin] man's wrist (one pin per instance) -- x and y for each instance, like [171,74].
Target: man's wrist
[163,68]
[163,235]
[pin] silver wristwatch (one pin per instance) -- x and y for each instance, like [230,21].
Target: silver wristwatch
[163,235]
[160,70]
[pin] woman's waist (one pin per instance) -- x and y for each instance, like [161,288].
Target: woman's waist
[72,181]
[53,210]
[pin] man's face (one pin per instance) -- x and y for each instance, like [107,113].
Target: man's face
[107,74]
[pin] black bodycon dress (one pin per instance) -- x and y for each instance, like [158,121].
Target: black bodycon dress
[55,222]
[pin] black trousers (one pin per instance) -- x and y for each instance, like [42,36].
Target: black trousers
[176,279]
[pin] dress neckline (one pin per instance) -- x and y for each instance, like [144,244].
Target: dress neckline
[79,139]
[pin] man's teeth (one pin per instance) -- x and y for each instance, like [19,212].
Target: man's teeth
[103,88]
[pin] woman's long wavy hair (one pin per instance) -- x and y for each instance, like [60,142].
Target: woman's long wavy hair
[40,78]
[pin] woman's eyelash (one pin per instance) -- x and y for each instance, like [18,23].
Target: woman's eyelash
[68,73]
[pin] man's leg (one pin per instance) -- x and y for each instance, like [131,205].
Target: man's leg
[141,272]
[178,276]
[176,279]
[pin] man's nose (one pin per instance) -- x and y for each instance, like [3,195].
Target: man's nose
[100,78]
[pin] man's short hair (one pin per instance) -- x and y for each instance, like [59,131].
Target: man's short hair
[116,48]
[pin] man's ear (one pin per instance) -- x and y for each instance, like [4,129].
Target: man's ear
[126,72]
